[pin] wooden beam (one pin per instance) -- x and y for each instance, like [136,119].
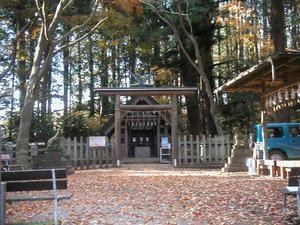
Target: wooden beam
[145,107]
[146,91]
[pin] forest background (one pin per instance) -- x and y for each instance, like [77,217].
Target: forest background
[231,36]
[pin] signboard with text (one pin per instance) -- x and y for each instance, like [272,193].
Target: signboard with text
[97,141]
[165,142]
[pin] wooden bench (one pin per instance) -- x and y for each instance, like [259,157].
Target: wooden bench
[34,180]
[292,189]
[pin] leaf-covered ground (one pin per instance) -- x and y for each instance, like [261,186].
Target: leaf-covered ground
[160,194]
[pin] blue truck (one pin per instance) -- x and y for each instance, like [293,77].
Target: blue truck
[283,140]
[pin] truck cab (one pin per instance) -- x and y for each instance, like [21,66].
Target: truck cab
[283,140]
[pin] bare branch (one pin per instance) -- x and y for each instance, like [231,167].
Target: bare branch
[39,8]
[68,4]
[14,51]
[59,10]
[44,18]
[81,38]
[79,26]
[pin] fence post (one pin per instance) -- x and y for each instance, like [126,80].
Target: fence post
[179,151]
[209,148]
[94,157]
[223,149]
[100,155]
[106,155]
[75,153]
[87,153]
[113,151]
[185,149]
[204,153]
[81,152]
[228,149]
[69,151]
[197,150]
[192,148]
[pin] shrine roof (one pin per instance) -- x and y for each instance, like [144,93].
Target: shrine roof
[260,78]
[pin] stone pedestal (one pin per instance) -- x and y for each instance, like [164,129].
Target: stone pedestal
[238,161]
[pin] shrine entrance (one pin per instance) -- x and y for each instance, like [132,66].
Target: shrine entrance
[141,144]
[139,125]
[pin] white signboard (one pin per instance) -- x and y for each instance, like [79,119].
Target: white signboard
[164,142]
[97,141]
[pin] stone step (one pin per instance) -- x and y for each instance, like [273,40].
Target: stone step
[141,160]
[203,165]
[234,169]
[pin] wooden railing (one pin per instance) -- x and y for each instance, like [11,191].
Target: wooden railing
[193,150]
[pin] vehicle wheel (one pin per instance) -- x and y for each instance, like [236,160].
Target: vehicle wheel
[277,155]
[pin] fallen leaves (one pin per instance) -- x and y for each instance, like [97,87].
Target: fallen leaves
[160,194]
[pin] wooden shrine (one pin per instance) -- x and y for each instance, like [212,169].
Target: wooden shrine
[277,79]
[139,124]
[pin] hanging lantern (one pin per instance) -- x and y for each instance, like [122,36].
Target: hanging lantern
[274,100]
[270,101]
[279,96]
[266,102]
[293,93]
[286,94]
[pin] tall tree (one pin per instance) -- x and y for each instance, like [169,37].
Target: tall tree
[46,43]
[184,19]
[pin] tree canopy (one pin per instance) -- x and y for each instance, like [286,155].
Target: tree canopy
[186,43]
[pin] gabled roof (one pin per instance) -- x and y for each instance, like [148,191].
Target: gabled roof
[108,127]
[260,78]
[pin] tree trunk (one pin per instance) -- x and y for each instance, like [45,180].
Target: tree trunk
[21,59]
[295,25]
[207,62]
[278,25]
[190,77]
[80,82]
[31,94]
[92,78]
[66,56]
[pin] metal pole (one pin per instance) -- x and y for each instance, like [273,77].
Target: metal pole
[2,202]
[55,196]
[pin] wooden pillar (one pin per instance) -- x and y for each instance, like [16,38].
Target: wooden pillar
[126,139]
[158,136]
[264,128]
[117,130]
[174,130]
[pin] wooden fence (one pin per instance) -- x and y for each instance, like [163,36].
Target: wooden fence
[192,151]
[81,156]
[196,151]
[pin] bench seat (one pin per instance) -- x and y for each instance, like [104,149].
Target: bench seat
[38,198]
[49,180]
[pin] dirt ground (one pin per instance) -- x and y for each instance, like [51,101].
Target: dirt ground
[160,194]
